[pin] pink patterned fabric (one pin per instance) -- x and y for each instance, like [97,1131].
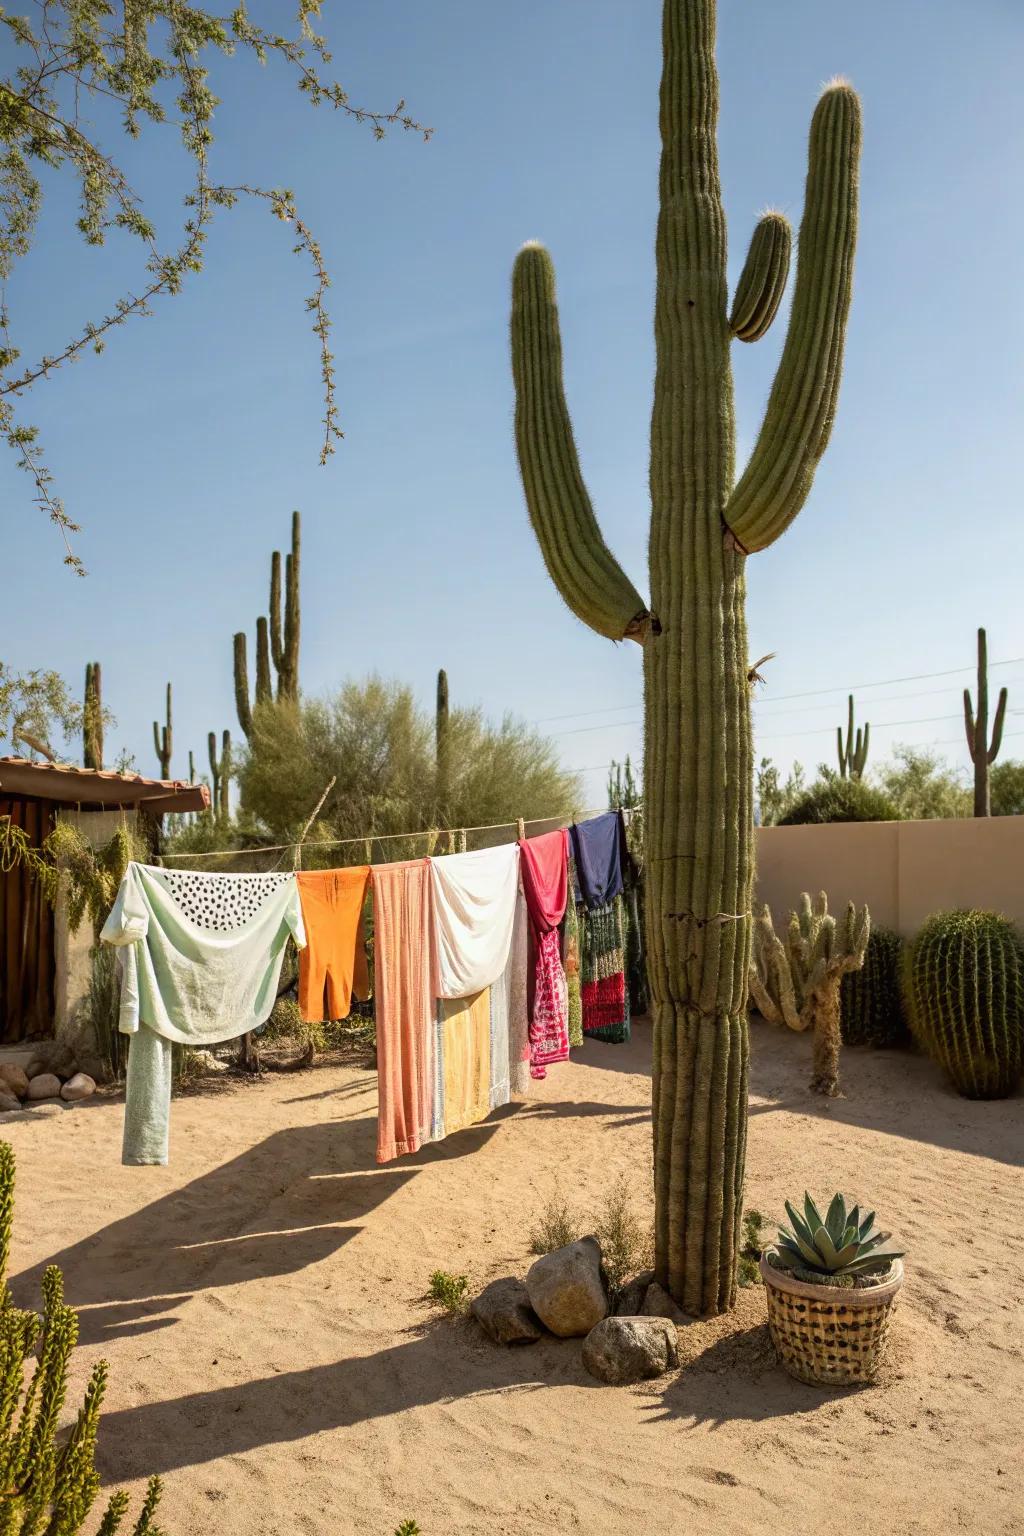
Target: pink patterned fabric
[549,1024]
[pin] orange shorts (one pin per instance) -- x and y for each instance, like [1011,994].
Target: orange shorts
[334,958]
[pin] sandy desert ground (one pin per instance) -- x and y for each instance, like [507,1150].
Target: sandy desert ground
[261,1304]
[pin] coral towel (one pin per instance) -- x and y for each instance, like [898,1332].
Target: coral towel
[405,1007]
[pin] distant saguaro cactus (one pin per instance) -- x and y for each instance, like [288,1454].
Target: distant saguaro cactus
[443,748]
[276,640]
[983,753]
[698,765]
[163,739]
[854,755]
[220,776]
[92,717]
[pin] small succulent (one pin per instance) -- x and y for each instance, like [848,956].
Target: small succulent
[844,1244]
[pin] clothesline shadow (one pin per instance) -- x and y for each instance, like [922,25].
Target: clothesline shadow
[443,1363]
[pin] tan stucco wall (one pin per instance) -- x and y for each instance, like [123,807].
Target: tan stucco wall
[72,950]
[904,870]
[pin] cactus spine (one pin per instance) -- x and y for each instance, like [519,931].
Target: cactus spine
[277,639]
[92,717]
[966,992]
[443,749]
[798,983]
[220,776]
[163,739]
[854,755]
[983,754]
[698,765]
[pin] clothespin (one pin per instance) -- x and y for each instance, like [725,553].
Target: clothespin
[521,829]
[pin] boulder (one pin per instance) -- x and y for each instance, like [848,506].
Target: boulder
[9,1101]
[567,1289]
[504,1313]
[13,1080]
[45,1109]
[623,1349]
[52,1056]
[658,1303]
[78,1087]
[45,1085]
[630,1301]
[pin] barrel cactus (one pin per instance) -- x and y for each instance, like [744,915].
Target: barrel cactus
[873,1011]
[798,982]
[966,992]
[698,767]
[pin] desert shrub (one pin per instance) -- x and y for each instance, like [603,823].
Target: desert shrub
[626,1244]
[836,799]
[873,1011]
[448,1291]
[101,1011]
[557,1225]
[752,1245]
[48,1487]
[408,1528]
[965,981]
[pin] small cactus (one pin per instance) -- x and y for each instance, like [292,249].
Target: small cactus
[965,981]
[92,718]
[277,640]
[873,1011]
[854,755]
[798,982]
[983,752]
[163,740]
[220,776]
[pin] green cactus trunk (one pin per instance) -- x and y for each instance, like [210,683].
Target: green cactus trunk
[92,717]
[443,787]
[277,638]
[163,739]
[983,753]
[698,767]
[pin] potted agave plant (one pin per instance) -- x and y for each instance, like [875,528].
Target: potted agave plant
[831,1286]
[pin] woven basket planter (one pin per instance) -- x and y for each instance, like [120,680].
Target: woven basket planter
[825,1335]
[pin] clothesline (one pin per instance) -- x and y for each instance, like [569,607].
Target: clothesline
[369,837]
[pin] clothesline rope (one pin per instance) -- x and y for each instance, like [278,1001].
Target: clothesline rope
[369,837]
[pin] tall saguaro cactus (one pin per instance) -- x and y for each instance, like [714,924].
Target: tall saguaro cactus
[220,775]
[983,753]
[277,640]
[853,755]
[92,717]
[443,750]
[698,785]
[163,740]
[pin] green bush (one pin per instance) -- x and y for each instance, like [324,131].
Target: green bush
[873,1011]
[835,799]
[449,1291]
[965,980]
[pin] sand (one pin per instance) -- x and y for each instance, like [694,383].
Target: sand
[272,1356]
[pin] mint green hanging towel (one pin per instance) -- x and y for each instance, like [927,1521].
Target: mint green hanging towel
[201,958]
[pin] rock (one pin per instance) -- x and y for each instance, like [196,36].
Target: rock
[78,1087]
[14,1080]
[504,1313]
[566,1288]
[43,1109]
[658,1303]
[622,1349]
[36,1068]
[631,1298]
[9,1101]
[45,1085]
[52,1056]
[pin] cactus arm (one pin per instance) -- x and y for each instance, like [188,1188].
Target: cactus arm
[997,726]
[970,725]
[801,408]
[862,751]
[156,743]
[292,616]
[584,570]
[242,705]
[276,643]
[763,279]
[264,685]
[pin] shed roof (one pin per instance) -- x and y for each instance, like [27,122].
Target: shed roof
[96,788]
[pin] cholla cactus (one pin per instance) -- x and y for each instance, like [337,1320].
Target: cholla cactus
[274,641]
[853,755]
[47,1489]
[705,521]
[798,983]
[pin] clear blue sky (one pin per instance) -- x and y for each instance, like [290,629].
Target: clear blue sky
[184,448]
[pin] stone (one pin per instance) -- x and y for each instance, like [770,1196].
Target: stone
[36,1068]
[658,1303]
[630,1302]
[52,1056]
[45,1085]
[9,1101]
[624,1349]
[13,1080]
[45,1108]
[504,1313]
[81,1086]
[567,1289]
